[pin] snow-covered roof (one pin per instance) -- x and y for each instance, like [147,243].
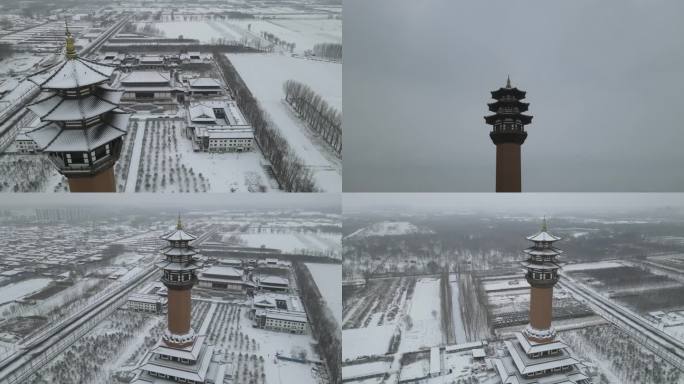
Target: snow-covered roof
[145,77]
[205,82]
[223,271]
[56,108]
[201,113]
[144,298]
[178,235]
[53,137]
[533,347]
[270,279]
[177,251]
[224,132]
[196,372]
[543,236]
[190,352]
[72,73]
[298,317]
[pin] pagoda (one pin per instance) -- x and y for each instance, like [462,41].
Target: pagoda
[537,355]
[82,127]
[181,356]
[508,134]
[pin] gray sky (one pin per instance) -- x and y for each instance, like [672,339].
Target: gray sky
[514,203]
[605,80]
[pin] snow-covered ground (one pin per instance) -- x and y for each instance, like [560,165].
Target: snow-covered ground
[422,327]
[265,74]
[204,31]
[390,228]
[328,279]
[459,325]
[23,288]
[369,341]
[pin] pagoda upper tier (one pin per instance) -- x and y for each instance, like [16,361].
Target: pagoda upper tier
[72,74]
[508,120]
[82,126]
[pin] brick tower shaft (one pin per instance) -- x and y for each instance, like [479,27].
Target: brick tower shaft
[508,177]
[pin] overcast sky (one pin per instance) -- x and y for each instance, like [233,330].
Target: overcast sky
[604,79]
[525,204]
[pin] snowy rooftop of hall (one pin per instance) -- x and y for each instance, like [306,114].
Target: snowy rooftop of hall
[145,77]
[222,271]
[205,82]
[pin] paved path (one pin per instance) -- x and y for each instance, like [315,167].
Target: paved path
[135,157]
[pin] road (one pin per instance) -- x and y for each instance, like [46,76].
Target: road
[662,344]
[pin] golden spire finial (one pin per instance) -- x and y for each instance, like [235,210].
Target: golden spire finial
[179,225]
[544,225]
[70,46]
[508,81]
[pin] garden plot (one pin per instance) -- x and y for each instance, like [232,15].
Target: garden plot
[255,350]
[328,278]
[29,173]
[637,287]
[265,74]
[381,301]
[169,164]
[620,359]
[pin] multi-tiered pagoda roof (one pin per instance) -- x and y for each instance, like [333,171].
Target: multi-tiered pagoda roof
[79,111]
[508,121]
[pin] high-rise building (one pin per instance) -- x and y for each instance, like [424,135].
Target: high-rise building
[181,356]
[508,134]
[82,126]
[537,355]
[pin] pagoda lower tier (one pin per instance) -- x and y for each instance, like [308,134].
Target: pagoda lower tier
[528,362]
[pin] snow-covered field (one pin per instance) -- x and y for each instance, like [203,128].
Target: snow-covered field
[390,228]
[23,288]
[422,327]
[304,33]
[369,341]
[294,242]
[328,279]
[204,31]
[265,74]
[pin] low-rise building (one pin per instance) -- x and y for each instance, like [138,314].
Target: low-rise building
[279,312]
[205,86]
[142,302]
[150,85]
[222,277]
[217,125]
[272,283]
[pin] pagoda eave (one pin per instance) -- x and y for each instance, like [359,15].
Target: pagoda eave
[502,92]
[494,107]
[513,137]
